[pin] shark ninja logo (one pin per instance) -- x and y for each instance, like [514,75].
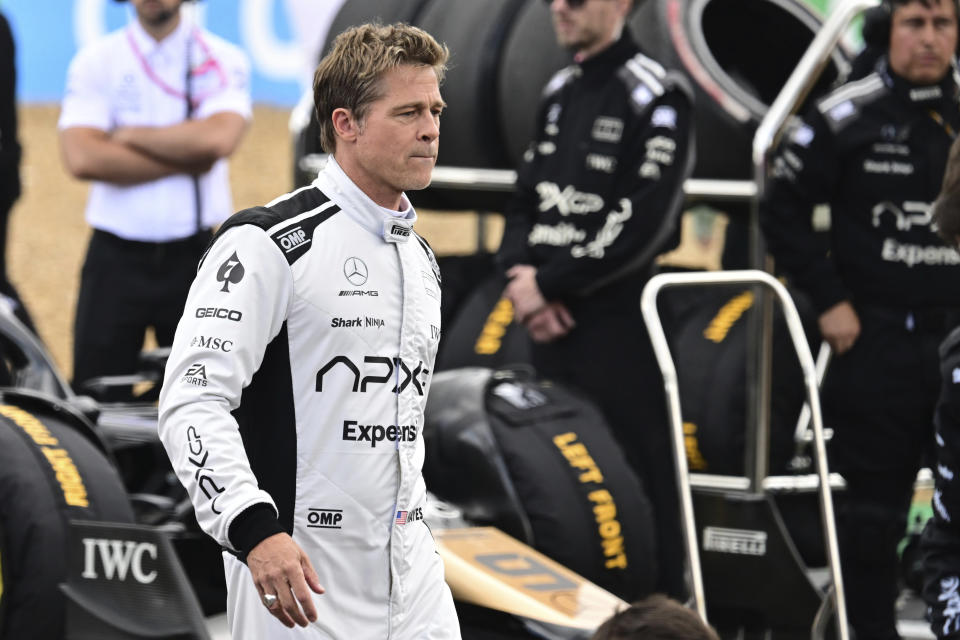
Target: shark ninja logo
[231,272]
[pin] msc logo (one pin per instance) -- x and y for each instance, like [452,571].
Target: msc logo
[386,365]
[325,518]
[293,239]
[196,375]
[355,270]
[230,272]
[118,558]
[198,458]
[214,344]
[217,312]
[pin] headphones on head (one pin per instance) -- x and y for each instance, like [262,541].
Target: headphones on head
[877,21]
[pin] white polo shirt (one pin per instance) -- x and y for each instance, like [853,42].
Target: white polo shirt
[129,79]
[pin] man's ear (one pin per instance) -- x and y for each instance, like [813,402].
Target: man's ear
[345,125]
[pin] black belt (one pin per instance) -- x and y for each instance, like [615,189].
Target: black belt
[190,244]
[918,320]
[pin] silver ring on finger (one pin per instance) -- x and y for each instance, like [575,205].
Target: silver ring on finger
[269,600]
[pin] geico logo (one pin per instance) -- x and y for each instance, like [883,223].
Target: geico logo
[202,473]
[325,518]
[117,557]
[215,344]
[374,433]
[293,239]
[387,365]
[218,312]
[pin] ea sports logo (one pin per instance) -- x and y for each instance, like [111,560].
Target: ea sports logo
[355,271]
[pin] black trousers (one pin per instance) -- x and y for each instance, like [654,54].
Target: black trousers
[609,358]
[879,399]
[125,287]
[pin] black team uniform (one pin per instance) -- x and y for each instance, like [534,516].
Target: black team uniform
[598,197]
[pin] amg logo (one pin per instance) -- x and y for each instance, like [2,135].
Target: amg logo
[374,433]
[118,557]
[359,293]
[400,230]
[294,238]
[739,541]
[216,312]
[325,518]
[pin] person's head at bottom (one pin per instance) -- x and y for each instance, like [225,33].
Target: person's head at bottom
[377,96]
[655,618]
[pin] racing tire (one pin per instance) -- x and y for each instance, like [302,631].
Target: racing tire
[50,473]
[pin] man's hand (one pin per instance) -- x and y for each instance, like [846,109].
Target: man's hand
[549,323]
[523,292]
[281,568]
[840,326]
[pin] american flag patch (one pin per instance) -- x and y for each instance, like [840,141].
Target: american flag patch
[402,517]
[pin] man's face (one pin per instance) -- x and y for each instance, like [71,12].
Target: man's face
[156,12]
[922,40]
[590,27]
[395,147]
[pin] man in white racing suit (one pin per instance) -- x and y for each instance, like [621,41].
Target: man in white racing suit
[292,406]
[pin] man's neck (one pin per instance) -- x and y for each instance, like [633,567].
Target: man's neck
[598,46]
[386,198]
[161,30]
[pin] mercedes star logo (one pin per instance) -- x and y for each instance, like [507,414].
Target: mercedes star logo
[356,271]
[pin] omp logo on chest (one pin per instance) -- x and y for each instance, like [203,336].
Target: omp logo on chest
[377,370]
[116,559]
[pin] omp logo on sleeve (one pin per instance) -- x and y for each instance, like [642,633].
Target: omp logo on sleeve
[117,558]
[739,541]
[491,336]
[604,506]
[727,317]
[64,469]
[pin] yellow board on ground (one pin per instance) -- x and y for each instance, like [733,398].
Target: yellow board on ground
[487,567]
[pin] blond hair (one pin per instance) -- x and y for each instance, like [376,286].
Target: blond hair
[349,76]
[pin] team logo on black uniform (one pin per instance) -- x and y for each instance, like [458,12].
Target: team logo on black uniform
[230,272]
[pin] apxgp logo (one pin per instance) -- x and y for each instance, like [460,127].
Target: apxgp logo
[387,365]
[230,272]
[198,458]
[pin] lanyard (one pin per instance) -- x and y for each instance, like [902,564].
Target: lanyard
[209,64]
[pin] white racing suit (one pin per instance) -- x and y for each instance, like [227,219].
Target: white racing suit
[293,401]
